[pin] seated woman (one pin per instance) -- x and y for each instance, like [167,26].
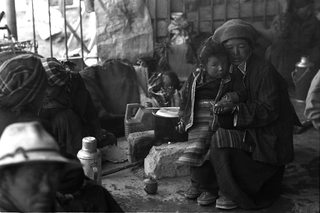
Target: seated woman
[250,178]
[205,87]
[23,81]
[69,108]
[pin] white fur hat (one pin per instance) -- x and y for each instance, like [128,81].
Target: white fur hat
[29,142]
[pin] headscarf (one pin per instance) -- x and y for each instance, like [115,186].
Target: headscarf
[235,28]
[57,73]
[22,79]
[301,3]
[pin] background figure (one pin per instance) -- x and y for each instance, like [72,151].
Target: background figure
[23,81]
[163,89]
[312,111]
[30,168]
[297,34]
[69,108]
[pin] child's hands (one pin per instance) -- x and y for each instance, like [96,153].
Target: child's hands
[224,107]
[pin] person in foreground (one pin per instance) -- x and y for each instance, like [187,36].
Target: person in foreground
[30,168]
[251,179]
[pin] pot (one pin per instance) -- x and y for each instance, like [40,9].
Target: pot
[165,122]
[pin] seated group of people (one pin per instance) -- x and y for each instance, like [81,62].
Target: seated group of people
[45,112]
[235,108]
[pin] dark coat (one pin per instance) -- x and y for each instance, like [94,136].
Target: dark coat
[268,115]
[188,93]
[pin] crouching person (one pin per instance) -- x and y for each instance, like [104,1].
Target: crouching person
[30,169]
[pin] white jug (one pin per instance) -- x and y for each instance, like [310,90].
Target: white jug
[90,158]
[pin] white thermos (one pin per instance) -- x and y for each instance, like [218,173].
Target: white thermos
[90,158]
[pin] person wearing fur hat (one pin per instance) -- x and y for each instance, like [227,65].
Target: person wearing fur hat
[30,168]
[296,34]
[251,179]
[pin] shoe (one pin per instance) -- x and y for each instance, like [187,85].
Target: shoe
[206,198]
[192,193]
[224,203]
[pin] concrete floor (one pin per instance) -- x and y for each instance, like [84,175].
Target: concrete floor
[300,186]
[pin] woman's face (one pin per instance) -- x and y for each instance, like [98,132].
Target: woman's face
[238,50]
[304,12]
[217,67]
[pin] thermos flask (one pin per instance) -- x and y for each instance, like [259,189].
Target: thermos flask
[90,158]
[302,77]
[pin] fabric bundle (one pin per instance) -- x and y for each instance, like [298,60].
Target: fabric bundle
[22,80]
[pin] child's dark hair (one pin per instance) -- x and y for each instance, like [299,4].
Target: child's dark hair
[210,48]
[175,82]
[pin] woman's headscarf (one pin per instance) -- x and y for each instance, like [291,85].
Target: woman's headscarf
[22,80]
[57,73]
[235,28]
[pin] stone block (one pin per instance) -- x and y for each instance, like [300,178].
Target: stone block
[139,145]
[160,162]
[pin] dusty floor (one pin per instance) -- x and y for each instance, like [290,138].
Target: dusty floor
[300,193]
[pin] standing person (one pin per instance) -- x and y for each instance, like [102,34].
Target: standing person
[251,179]
[297,34]
[207,85]
[23,81]
[30,168]
[69,108]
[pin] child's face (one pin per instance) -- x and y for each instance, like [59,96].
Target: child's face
[217,66]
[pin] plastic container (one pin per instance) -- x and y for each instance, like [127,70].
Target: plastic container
[90,158]
[138,119]
[165,126]
[302,77]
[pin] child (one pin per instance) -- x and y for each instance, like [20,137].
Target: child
[163,89]
[205,87]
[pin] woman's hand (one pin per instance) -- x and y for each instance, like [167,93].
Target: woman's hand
[180,126]
[224,107]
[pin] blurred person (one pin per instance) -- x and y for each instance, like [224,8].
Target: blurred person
[163,89]
[312,110]
[69,108]
[297,34]
[23,81]
[30,168]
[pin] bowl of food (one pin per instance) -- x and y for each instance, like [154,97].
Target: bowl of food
[176,15]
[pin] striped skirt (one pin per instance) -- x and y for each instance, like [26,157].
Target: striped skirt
[199,137]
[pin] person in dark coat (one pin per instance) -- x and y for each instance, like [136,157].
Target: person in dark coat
[296,34]
[251,179]
[69,108]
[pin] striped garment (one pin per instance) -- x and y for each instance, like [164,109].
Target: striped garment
[57,73]
[22,80]
[200,135]
[205,132]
